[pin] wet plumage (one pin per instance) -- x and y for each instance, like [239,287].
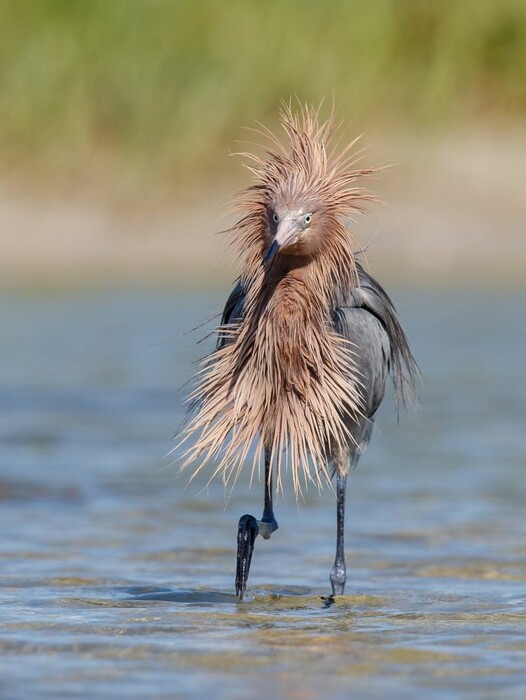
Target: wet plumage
[307,337]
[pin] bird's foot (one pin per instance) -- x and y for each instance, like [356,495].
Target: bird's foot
[267,527]
[247,531]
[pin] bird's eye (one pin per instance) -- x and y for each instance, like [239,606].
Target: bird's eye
[275,218]
[307,219]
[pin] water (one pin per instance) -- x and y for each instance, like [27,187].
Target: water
[116,581]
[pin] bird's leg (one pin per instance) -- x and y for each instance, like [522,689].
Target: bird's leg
[268,523]
[249,528]
[338,572]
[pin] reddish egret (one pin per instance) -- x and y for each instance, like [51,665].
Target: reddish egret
[307,337]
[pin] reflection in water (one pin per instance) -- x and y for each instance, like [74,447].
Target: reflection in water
[118,580]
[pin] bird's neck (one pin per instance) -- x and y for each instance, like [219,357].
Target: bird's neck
[287,325]
[302,286]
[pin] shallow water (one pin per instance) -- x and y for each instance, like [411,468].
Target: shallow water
[117,581]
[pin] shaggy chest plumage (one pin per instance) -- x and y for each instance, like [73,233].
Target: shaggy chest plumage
[286,342]
[283,380]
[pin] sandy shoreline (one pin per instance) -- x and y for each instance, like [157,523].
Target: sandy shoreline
[456,214]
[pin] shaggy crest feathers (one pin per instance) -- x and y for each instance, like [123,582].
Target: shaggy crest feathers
[281,378]
[308,168]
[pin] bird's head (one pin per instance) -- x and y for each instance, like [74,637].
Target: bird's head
[289,231]
[304,192]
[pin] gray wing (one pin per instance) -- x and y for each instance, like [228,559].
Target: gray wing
[232,312]
[368,318]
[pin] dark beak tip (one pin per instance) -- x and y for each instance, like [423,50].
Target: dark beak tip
[271,252]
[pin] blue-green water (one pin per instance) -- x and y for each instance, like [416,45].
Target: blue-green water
[116,581]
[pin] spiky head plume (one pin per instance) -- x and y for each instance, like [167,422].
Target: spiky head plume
[308,173]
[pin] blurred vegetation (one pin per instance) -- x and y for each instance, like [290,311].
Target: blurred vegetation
[165,84]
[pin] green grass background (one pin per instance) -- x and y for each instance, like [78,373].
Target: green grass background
[162,86]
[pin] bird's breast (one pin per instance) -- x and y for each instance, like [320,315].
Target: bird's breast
[289,334]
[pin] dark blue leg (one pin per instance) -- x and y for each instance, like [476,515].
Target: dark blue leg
[338,572]
[249,528]
[268,523]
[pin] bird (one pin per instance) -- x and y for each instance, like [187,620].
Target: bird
[307,338]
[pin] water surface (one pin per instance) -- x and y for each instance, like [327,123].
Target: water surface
[117,581]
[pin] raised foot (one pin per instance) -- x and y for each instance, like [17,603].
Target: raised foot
[247,532]
[267,527]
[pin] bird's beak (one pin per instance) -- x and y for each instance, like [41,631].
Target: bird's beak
[284,235]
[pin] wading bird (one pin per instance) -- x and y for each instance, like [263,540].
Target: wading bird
[307,338]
